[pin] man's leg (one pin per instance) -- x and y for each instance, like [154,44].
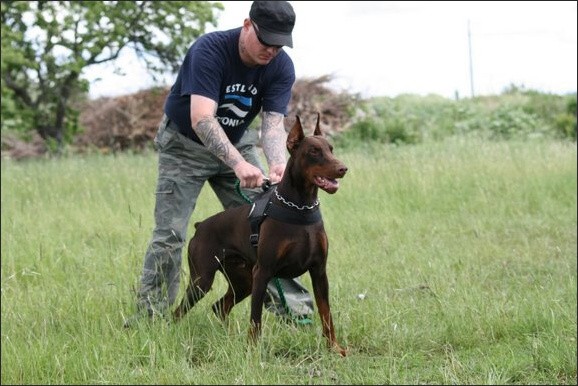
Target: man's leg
[293,301]
[176,196]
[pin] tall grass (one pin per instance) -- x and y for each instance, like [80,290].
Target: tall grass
[465,251]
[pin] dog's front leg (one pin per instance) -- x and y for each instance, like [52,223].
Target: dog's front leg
[260,279]
[320,285]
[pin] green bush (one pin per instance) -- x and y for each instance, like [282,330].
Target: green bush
[515,114]
[565,123]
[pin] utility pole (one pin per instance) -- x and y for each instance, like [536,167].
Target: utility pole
[471,63]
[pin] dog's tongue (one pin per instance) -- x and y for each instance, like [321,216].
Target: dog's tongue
[328,185]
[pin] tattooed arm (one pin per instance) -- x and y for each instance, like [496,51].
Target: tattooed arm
[274,139]
[213,136]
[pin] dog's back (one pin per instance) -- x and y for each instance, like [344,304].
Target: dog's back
[222,231]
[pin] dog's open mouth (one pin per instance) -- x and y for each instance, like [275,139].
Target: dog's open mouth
[329,185]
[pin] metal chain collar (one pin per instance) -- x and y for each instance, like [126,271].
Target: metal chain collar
[292,205]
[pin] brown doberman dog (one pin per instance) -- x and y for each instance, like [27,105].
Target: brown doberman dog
[290,239]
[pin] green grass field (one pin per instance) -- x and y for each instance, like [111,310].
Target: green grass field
[465,251]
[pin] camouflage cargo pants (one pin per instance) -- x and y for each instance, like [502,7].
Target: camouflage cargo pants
[184,167]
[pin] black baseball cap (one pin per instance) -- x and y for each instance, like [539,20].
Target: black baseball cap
[275,20]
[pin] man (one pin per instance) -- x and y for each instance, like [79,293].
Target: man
[227,78]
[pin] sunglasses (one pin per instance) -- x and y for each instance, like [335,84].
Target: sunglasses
[261,40]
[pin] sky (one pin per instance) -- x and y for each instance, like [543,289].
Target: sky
[389,48]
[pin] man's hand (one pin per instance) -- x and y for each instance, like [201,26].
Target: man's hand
[249,176]
[276,173]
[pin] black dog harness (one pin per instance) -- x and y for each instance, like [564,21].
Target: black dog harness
[263,207]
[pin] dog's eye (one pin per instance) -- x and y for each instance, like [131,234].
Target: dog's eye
[315,151]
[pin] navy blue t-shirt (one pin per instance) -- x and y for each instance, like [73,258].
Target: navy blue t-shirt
[213,68]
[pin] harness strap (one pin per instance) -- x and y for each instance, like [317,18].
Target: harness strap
[257,215]
[291,216]
[263,206]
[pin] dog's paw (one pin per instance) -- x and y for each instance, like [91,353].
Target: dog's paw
[340,350]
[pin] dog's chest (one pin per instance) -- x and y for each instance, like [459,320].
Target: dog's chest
[291,244]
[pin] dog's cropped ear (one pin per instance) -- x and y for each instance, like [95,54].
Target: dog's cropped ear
[317,127]
[295,136]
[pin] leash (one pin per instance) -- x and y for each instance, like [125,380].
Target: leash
[300,320]
[266,186]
